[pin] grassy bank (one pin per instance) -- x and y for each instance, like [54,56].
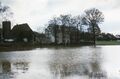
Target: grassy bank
[15,47]
[27,46]
[23,46]
[108,42]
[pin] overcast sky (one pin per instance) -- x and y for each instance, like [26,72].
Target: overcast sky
[38,12]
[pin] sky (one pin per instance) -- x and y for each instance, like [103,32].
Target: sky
[37,13]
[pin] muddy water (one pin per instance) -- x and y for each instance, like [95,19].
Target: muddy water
[101,62]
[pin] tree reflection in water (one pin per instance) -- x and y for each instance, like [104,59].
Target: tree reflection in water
[9,70]
[21,66]
[65,63]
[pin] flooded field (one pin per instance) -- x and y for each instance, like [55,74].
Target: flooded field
[87,62]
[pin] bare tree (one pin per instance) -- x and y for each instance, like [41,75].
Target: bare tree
[92,18]
[5,12]
[67,26]
[78,26]
[53,27]
[65,22]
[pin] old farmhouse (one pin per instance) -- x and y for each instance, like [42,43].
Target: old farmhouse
[19,33]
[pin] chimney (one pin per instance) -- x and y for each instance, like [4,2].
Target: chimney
[6,26]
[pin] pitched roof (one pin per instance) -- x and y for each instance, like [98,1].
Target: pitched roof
[22,30]
[22,27]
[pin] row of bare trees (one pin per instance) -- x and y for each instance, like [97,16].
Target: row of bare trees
[73,27]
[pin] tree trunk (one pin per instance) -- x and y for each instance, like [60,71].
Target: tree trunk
[94,37]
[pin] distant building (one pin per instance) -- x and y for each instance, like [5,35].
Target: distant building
[19,33]
[40,38]
[22,33]
[117,37]
[62,34]
[57,34]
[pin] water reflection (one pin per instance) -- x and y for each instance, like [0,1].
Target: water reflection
[60,63]
[6,66]
[21,66]
[9,70]
[81,62]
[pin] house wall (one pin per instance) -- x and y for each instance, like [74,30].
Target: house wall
[59,36]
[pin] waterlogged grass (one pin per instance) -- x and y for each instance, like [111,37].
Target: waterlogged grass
[20,46]
[108,42]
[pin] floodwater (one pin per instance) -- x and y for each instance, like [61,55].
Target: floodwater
[87,62]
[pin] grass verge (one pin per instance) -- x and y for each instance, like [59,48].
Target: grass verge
[107,42]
